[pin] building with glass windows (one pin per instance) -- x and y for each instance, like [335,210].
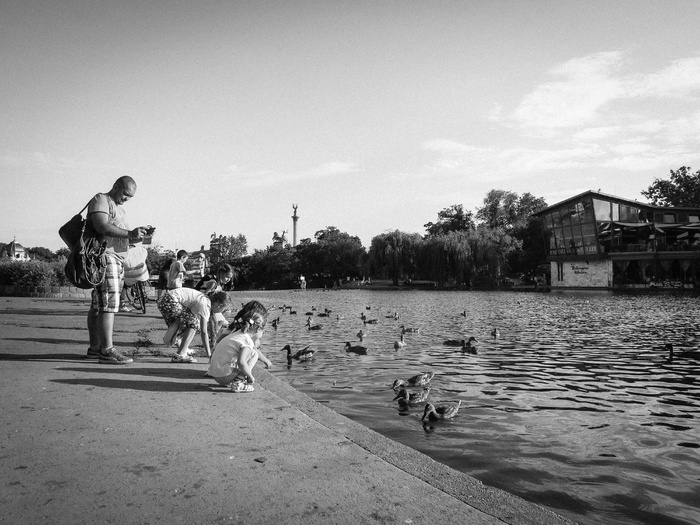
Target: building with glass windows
[596,240]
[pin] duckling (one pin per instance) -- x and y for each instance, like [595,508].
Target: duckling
[414,398]
[302,355]
[400,343]
[455,342]
[312,326]
[435,413]
[361,350]
[469,347]
[409,330]
[495,333]
[417,380]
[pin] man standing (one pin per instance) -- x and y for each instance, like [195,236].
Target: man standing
[106,217]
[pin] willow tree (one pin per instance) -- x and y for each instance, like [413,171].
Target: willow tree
[447,257]
[490,249]
[393,254]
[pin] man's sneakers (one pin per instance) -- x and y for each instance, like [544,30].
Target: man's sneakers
[114,357]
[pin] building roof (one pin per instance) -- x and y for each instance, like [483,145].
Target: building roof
[613,198]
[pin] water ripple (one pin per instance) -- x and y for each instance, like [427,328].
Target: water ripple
[575,406]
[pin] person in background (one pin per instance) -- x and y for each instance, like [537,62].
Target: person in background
[177,271]
[163,277]
[217,281]
[106,217]
[198,269]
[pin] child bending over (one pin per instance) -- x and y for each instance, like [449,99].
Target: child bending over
[186,312]
[236,354]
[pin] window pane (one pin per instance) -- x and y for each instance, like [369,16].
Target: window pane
[602,210]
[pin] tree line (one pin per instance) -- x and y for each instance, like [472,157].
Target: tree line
[460,248]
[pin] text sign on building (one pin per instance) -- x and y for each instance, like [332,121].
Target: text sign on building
[580,269]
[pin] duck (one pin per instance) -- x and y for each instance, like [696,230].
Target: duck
[326,313]
[409,330]
[275,322]
[312,326]
[435,413]
[414,398]
[361,350]
[464,313]
[361,335]
[339,317]
[495,333]
[455,342]
[292,312]
[417,380]
[469,347]
[370,321]
[309,313]
[302,355]
[688,354]
[400,343]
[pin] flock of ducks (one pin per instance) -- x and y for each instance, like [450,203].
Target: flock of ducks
[420,383]
[406,399]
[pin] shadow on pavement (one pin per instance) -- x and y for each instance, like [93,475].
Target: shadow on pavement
[48,341]
[174,372]
[147,386]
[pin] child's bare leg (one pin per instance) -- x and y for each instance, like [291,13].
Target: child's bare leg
[187,337]
[171,334]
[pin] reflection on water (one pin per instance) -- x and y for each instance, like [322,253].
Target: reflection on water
[575,406]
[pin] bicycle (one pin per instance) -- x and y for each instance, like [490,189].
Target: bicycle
[136,293]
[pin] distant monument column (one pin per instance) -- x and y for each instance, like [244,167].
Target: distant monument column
[295,218]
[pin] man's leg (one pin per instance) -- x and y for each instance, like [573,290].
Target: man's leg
[108,302]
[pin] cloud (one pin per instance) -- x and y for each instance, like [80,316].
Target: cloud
[593,88]
[454,156]
[595,113]
[584,86]
[680,79]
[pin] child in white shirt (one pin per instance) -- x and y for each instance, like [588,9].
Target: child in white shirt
[236,354]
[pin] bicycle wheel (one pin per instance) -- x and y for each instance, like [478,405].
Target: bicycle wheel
[140,296]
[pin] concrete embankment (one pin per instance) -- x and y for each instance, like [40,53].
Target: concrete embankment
[157,442]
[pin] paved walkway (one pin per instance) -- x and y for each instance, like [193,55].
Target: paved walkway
[156,442]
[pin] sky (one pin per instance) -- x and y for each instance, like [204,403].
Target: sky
[370,116]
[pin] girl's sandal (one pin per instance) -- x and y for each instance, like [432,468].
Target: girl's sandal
[240,386]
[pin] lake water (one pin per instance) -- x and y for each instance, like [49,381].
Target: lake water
[574,407]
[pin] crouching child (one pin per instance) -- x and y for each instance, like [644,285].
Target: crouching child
[237,353]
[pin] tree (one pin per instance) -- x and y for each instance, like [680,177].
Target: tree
[227,248]
[508,210]
[335,255]
[452,219]
[394,254]
[683,189]
[40,253]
